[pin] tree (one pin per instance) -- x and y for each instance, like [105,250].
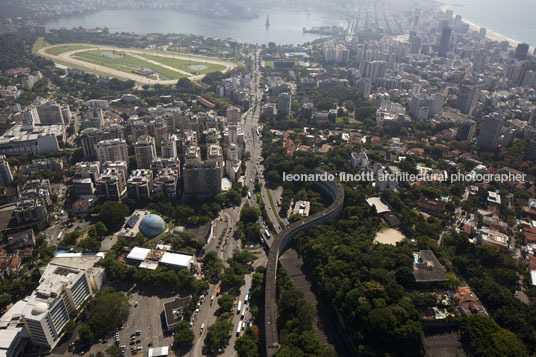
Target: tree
[85,334]
[226,302]
[108,311]
[485,338]
[101,229]
[184,336]
[247,345]
[212,265]
[218,334]
[112,214]
[114,351]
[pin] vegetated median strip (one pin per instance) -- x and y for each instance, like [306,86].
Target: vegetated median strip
[273,207]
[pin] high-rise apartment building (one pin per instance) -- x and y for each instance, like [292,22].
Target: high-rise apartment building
[466,130]
[169,147]
[489,132]
[233,115]
[521,52]
[202,177]
[112,150]
[284,103]
[89,138]
[6,177]
[444,41]
[145,150]
[467,98]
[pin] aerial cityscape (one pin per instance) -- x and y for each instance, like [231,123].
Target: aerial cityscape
[276,178]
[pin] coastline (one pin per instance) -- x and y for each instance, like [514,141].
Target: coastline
[490,34]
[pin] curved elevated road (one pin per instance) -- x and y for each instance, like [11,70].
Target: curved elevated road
[280,244]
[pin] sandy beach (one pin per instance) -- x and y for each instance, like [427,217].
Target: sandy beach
[490,34]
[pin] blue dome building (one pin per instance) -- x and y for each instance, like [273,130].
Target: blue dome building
[152,225]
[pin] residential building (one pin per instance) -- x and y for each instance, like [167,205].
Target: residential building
[111,185]
[28,210]
[284,103]
[6,177]
[145,150]
[467,98]
[233,115]
[169,147]
[89,138]
[140,184]
[166,181]
[489,132]
[112,150]
[202,177]
[444,41]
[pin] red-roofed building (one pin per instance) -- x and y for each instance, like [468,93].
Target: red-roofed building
[303,148]
[18,70]
[14,264]
[376,140]
[433,207]
[206,103]
[418,151]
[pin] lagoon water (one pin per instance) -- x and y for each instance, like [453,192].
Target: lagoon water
[286,27]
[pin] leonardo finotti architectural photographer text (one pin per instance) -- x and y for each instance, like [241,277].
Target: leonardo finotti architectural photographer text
[405,177]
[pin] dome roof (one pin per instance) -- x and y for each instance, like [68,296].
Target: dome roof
[152,225]
[40,308]
[177,230]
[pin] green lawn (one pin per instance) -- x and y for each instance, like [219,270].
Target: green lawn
[40,43]
[184,65]
[55,51]
[126,63]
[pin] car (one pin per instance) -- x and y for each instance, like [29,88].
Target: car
[139,348]
[133,342]
[134,352]
[138,332]
[149,344]
[138,341]
[71,348]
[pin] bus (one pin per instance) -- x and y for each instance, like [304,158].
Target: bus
[246,298]
[243,312]
[249,194]
[218,290]
[238,307]
[266,233]
[239,328]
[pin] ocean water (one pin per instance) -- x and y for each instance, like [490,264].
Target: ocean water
[515,19]
[286,27]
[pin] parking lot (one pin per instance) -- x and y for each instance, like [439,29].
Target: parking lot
[144,316]
[145,323]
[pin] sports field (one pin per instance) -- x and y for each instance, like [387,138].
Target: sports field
[142,66]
